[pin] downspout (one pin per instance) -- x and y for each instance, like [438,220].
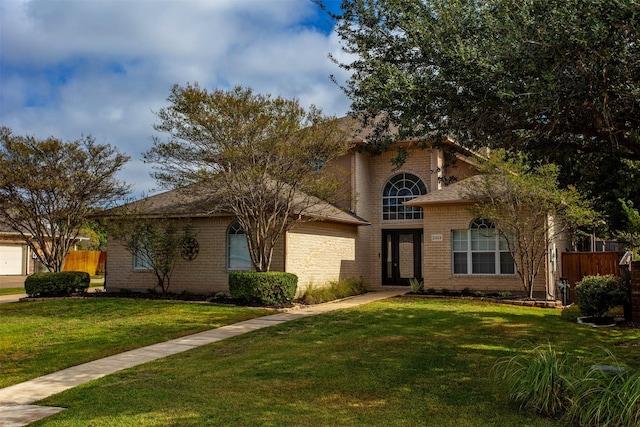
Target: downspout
[549,276]
[28,258]
[285,245]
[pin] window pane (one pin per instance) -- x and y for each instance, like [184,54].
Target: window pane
[460,263]
[483,262]
[389,259]
[141,262]
[507,266]
[483,240]
[460,240]
[405,247]
[399,189]
[503,245]
[239,253]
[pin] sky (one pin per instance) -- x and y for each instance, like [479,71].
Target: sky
[71,68]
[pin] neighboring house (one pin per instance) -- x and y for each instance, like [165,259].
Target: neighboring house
[15,255]
[393,225]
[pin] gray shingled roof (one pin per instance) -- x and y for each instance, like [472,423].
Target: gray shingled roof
[188,202]
[5,229]
[454,193]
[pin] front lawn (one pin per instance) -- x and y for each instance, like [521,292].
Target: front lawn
[38,338]
[11,291]
[20,290]
[399,362]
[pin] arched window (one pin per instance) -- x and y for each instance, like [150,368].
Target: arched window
[480,250]
[399,189]
[237,249]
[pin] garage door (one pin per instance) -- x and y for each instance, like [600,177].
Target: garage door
[11,259]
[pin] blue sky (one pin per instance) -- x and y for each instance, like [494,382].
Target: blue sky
[102,67]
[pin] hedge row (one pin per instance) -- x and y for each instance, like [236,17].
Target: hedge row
[56,284]
[266,288]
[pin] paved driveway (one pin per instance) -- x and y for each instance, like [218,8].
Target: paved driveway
[12,281]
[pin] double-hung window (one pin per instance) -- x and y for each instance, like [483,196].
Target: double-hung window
[480,250]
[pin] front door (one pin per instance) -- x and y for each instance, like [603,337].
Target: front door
[401,256]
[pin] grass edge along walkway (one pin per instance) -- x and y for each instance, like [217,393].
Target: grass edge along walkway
[16,407]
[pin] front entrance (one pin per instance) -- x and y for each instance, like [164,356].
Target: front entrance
[401,256]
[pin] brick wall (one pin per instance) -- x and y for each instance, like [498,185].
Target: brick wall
[320,252]
[205,274]
[437,262]
[371,174]
[635,291]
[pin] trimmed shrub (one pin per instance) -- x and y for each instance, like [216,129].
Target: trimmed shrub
[597,294]
[56,284]
[266,288]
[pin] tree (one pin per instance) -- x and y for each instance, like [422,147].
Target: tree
[260,158]
[604,180]
[532,75]
[631,235]
[96,236]
[557,80]
[528,208]
[155,243]
[49,187]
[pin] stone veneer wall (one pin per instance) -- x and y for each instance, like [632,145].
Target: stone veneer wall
[635,291]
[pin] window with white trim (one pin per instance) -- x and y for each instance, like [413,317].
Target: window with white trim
[399,189]
[237,248]
[480,250]
[142,261]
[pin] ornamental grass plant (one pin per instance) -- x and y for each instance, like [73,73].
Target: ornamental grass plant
[605,398]
[571,389]
[540,379]
[333,291]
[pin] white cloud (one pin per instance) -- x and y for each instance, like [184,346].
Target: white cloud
[101,67]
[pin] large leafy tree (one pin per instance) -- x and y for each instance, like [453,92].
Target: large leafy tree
[532,74]
[559,80]
[528,208]
[49,187]
[259,157]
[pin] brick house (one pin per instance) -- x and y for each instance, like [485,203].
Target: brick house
[393,225]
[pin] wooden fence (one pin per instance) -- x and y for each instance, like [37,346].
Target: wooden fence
[93,262]
[576,265]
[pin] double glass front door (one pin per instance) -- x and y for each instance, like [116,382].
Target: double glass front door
[401,256]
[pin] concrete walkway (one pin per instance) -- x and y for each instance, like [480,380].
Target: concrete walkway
[16,401]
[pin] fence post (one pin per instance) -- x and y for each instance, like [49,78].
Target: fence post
[635,290]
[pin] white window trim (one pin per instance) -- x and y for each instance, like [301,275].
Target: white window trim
[497,252]
[415,212]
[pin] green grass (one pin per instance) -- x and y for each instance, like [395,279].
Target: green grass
[11,291]
[400,362]
[37,338]
[333,291]
[20,290]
